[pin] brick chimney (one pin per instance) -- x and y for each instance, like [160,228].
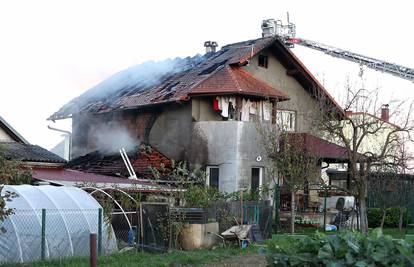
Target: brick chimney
[348,113]
[210,46]
[385,113]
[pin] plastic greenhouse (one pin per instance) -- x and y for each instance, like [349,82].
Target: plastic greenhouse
[52,222]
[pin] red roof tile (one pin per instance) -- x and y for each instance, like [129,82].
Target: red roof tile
[178,86]
[235,80]
[319,147]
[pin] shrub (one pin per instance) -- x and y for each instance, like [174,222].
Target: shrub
[374,217]
[392,217]
[347,248]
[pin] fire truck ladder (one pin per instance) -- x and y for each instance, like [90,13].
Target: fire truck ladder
[376,64]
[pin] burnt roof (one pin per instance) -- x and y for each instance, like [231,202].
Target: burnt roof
[186,78]
[141,159]
[29,153]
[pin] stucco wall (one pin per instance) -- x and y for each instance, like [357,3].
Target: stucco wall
[202,110]
[232,146]
[4,136]
[300,100]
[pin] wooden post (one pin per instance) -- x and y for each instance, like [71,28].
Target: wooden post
[43,247]
[100,213]
[93,254]
[241,205]
[325,195]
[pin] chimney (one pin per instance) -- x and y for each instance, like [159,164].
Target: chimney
[348,113]
[268,28]
[385,113]
[210,46]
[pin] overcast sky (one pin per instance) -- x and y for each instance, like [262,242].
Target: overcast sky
[52,51]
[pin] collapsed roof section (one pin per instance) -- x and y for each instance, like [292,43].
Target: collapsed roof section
[218,72]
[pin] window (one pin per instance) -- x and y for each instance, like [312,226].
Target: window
[213,176]
[263,61]
[286,120]
[256,181]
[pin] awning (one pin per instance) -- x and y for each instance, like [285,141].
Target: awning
[320,148]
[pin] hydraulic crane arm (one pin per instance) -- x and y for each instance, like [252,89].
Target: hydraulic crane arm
[379,65]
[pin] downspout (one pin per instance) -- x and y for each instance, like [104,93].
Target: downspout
[70,139]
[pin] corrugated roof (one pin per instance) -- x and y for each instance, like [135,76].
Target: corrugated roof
[199,75]
[30,153]
[73,177]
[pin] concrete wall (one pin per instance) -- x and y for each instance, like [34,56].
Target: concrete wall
[4,136]
[232,146]
[202,110]
[172,130]
[127,128]
[300,100]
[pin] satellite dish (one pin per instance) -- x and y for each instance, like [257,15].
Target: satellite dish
[258,158]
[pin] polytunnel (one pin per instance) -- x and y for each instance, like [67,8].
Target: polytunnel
[52,222]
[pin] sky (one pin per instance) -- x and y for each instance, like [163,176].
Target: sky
[52,51]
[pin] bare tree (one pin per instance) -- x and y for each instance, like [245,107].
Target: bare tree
[289,159]
[370,142]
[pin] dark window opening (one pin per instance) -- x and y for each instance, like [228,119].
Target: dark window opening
[263,61]
[214,177]
[255,183]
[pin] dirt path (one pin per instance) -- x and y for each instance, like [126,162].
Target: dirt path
[254,259]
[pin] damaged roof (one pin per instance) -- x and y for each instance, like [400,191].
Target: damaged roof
[113,164]
[177,80]
[29,153]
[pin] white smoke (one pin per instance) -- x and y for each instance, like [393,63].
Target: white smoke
[112,136]
[141,77]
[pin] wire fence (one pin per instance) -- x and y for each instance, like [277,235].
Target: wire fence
[34,235]
[56,234]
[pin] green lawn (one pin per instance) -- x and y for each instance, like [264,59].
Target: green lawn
[132,258]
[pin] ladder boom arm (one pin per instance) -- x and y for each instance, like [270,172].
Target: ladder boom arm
[379,65]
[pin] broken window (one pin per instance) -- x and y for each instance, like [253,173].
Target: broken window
[213,176]
[263,61]
[286,120]
[256,181]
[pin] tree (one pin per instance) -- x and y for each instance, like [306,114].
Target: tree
[370,142]
[289,159]
[11,172]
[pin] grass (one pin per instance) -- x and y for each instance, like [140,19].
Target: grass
[133,258]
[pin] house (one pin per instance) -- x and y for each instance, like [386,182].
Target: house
[203,110]
[377,129]
[49,168]
[33,156]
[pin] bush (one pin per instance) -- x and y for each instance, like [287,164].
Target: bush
[392,218]
[347,248]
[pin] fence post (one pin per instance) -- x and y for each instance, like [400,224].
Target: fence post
[324,207]
[276,201]
[100,232]
[43,248]
[93,259]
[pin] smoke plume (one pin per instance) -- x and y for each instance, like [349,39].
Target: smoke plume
[110,137]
